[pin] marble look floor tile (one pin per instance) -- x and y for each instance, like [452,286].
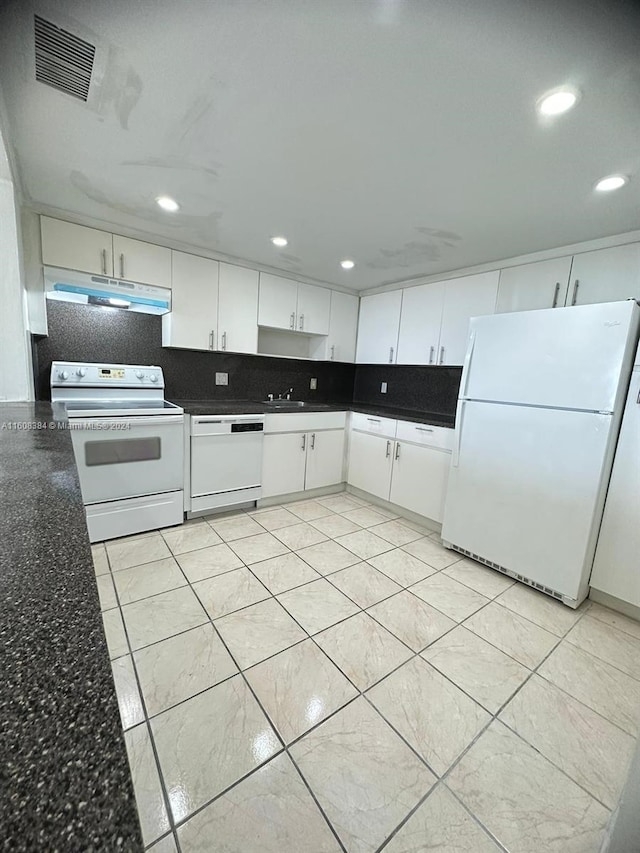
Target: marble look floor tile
[317,605]
[327,557]
[282,573]
[209,742]
[259,631]
[274,519]
[540,608]
[412,620]
[487,582]
[268,812]
[431,713]
[432,553]
[190,537]
[335,525]
[396,532]
[165,845]
[401,567]
[148,579]
[512,634]
[299,535]
[441,825]
[363,649]
[106,592]
[100,562]
[523,800]
[612,693]
[481,670]
[590,749]
[225,593]
[309,510]
[129,703]
[423,529]
[364,544]
[366,516]
[125,553]
[255,549]
[152,811]
[365,778]
[154,619]
[207,562]
[614,619]
[180,667]
[298,688]
[238,527]
[601,640]
[364,584]
[341,503]
[114,633]
[454,599]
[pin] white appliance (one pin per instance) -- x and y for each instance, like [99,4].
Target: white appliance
[537,419]
[71,286]
[616,568]
[226,461]
[128,443]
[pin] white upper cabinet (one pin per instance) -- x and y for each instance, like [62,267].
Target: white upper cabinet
[606,275]
[378,328]
[313,309]
[278,302]
[343,327]
[238,309]
[543,284]
[420,324]
[464,298]
[192,323]
[75,247]
[147,263]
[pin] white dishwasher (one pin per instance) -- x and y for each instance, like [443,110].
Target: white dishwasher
[226,461]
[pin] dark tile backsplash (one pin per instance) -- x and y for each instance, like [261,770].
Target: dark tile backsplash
[93,333]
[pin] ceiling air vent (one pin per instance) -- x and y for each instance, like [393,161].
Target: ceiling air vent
[63,60]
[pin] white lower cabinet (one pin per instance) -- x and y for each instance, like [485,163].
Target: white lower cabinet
[419,479]
[370,461]
[284,459]
[325,458]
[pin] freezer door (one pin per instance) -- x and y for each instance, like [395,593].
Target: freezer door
[573,358]
[527,490]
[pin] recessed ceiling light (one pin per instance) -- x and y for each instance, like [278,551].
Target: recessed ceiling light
[611,182]
[558,101]
[280,242]
[347,265]
[167,203]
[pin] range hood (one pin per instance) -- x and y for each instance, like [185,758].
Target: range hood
[69,286]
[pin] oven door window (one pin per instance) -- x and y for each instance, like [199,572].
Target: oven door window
[122,450]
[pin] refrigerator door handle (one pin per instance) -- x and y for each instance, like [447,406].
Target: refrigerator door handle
[468,356]
[458,438]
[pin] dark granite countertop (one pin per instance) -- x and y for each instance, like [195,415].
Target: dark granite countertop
[253,407]
[65,776]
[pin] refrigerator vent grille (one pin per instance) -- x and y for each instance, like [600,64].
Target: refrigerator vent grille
[504,571]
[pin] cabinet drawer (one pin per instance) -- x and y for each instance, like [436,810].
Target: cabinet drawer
[433,436]
[371,423]
[304,421]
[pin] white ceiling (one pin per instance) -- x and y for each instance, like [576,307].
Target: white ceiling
[400,133]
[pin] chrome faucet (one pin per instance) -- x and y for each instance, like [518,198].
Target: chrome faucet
[287,394]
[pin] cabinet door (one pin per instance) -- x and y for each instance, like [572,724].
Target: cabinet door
[194,304]
[464,298]
[283,463]
[343,327]
[75,247]
[134,260]
[313,309]
[238,309]
[278,300]
[420,322]
[325,458]
[607,275]
[540,285]
[370,459]
[378,328]
[419,479]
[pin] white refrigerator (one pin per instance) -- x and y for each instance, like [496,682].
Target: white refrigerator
[537,419]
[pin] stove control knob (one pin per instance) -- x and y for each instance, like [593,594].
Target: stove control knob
[63,374]
[154,377]
[81,372]
[139,374]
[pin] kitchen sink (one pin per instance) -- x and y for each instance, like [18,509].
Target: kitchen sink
[292,404]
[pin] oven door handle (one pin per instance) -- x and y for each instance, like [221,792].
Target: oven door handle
[126,422]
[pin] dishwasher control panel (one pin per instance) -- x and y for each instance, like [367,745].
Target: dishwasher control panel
[252,427]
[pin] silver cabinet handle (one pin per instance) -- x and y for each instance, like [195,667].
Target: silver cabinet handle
[103,255]
[304,441]
[374,420]
[397,450]
[388,453]
[292,320]
[574,298]
[424,429]
[211,339]
[390,355]
[333,351]
[441,355]
[432,352]
[224,340]
[313,441]
[555,295]
[121,265]
[301,322]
